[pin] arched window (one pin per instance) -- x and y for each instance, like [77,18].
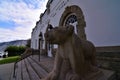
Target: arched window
[71,19]
[73,15]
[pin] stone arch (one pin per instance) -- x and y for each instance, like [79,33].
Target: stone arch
[74,9]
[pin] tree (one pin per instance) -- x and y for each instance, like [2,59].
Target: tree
[15,50]
[28,43]
[21,49]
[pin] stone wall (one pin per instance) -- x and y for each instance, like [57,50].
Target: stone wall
[109,58]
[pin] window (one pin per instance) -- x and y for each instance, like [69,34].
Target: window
[72,20]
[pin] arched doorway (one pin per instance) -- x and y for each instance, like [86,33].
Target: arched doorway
[73,15]
[49,47]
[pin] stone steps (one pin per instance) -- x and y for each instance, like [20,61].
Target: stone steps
[45,62]
[32,73]
[31,68]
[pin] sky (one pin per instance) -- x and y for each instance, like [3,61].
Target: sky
[18,18]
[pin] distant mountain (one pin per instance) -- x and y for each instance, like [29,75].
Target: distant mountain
[4,45]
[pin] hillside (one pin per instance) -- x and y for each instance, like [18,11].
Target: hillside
[4,45]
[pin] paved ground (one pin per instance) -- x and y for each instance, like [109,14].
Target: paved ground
[5,71]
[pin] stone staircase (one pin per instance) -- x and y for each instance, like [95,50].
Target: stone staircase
[31,68]
[36,67]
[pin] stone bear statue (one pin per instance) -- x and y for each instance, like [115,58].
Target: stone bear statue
[75,58]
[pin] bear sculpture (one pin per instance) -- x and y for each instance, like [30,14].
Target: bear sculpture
[75,58]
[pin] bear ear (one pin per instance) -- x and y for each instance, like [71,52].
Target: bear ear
[70,28]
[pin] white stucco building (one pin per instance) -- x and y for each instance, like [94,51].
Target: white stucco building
[97,21]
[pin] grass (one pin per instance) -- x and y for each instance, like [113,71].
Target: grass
[9,59]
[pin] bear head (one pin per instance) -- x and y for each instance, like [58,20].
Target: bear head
[59,35]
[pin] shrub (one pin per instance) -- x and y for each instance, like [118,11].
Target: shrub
[15,50]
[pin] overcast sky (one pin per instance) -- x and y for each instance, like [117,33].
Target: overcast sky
[18,17]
